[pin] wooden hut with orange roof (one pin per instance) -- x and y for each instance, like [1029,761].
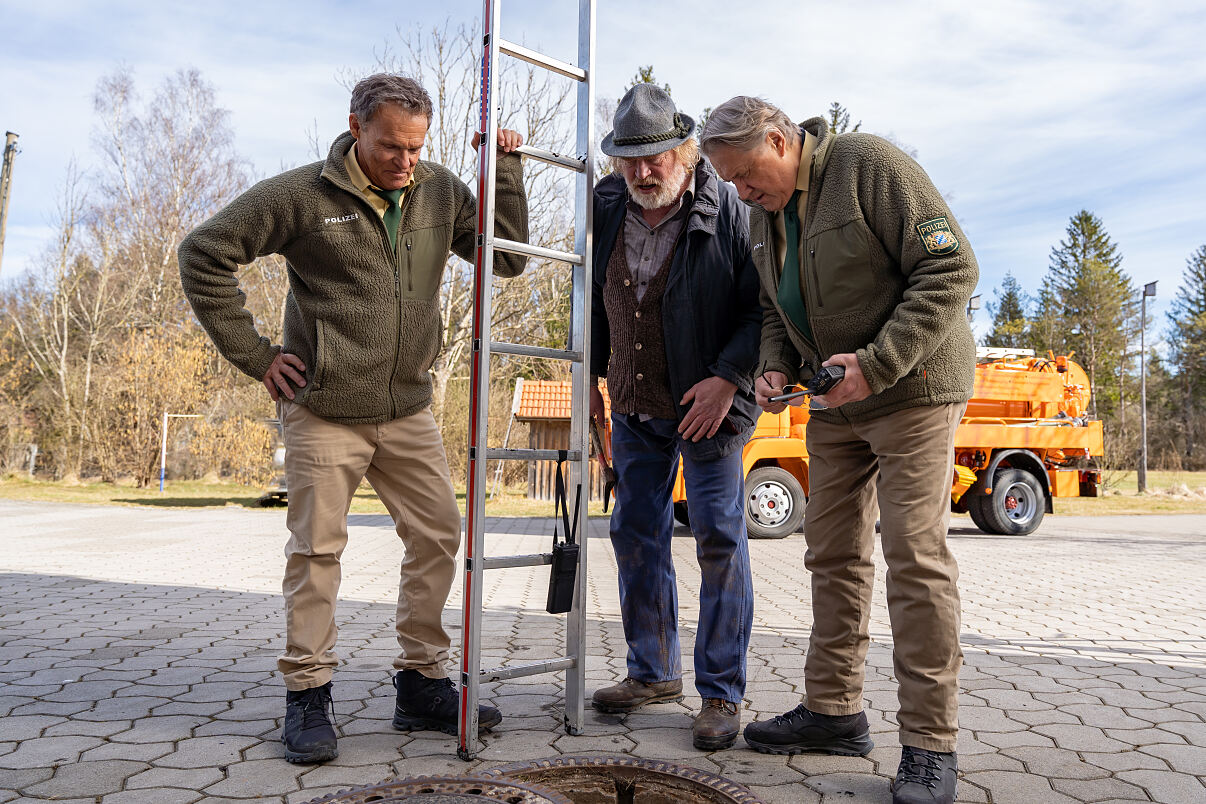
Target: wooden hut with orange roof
[544,405]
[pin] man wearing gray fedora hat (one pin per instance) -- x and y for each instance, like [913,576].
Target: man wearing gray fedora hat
[675,328]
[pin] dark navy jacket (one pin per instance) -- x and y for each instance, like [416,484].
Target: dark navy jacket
[711,316]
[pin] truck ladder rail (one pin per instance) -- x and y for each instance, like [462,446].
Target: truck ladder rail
[575,353]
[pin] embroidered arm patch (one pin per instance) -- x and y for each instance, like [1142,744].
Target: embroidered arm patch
[937,237]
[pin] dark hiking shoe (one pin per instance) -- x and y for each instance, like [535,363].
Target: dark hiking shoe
[716,725]
[925,777]
[308,733]
[801,731]
[433,704]
[630,695]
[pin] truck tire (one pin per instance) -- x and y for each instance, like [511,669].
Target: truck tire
[1014,508]
[681,514]
[774,503]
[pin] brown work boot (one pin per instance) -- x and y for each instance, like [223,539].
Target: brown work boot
[630,695]
[716,725]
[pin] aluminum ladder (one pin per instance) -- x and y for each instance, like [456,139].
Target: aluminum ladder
[574,660]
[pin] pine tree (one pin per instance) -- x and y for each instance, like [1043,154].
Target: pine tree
[1008,315]
[644,75]
[1045,328]
[839,119]
[1187,341]
[1094,294]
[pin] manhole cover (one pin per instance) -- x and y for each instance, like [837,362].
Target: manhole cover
[447,790]
[626,780]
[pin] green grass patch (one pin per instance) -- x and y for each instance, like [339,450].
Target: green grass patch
[510,502]
[1168,493]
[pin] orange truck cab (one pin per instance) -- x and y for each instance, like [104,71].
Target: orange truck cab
[1024,439]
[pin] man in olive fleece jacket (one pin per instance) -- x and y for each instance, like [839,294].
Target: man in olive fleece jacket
[366,235]
[863,266]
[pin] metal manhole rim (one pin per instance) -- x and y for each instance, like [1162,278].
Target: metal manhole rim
[739,792]
[450,783]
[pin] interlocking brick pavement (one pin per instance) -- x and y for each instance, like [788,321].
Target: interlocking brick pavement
[137,656]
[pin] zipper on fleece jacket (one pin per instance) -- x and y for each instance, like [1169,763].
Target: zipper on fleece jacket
[405,214]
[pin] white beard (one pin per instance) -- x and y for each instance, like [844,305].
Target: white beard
[667,191]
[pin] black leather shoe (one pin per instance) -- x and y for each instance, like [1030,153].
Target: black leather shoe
[433,704]
[925,777]
[308,733]
[800,730]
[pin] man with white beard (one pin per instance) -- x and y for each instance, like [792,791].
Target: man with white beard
[675,326]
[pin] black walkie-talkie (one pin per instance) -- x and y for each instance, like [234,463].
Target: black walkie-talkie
[821,383]
[564,575]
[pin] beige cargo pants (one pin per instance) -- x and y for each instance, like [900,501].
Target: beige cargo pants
[405,463]
[905,460]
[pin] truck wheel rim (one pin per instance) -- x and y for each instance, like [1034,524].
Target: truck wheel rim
[770,504]
[1019,502]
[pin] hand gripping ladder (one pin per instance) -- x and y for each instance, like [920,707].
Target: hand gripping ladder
[574,662]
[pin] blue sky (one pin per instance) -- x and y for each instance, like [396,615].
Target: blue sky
[1022,112]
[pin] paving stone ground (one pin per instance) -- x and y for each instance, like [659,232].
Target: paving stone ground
[137,656]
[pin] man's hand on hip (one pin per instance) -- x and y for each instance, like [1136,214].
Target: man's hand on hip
[852,388]
[770,384]
[283,375]
[508,140]
[710,400]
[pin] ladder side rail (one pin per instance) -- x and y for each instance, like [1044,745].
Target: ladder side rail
[583,282]
[468,743]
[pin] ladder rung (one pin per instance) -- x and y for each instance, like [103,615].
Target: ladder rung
[534,351]
[521,670]
[505,562]
[536,251]
[541,60]
[552,157]
[497,454]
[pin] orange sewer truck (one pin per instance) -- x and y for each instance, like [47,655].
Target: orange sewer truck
[1024,440]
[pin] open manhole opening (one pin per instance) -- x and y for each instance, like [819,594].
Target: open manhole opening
[446,790]
[626,780]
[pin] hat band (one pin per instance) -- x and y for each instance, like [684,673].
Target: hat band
[679,130]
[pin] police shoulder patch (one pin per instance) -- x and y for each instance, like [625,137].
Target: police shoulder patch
[937,237]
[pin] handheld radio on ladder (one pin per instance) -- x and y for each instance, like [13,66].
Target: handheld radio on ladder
[574,661]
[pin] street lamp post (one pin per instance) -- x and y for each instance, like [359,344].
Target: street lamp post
[1148,290]
[973,304]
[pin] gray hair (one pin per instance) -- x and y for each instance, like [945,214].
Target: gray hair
[406,93]
[743,123]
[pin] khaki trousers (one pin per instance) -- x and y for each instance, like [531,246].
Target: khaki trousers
[405,463]
[905,459]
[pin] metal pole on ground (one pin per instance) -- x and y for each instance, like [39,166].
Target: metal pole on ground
[6,183]
[1148,290]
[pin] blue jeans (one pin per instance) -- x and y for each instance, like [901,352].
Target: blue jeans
[645,456]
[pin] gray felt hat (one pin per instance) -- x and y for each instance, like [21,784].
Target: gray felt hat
[646,123]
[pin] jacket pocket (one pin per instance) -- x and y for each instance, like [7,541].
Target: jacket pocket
[840,268]
[321,352]
[424,254]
